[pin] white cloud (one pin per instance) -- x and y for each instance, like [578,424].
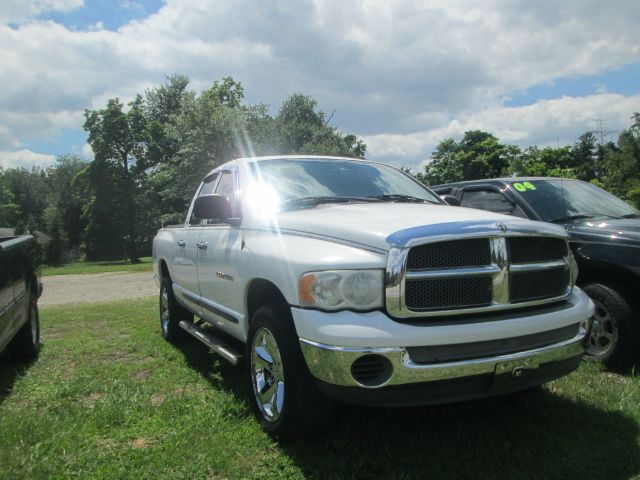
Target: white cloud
[21,10]
[388,69]
[547,122]
[25,158]
[86,151]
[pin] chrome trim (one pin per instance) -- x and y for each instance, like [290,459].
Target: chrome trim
[414,236]
[500,268]
[452,272]
[500,258]
[527,267]
[332,364]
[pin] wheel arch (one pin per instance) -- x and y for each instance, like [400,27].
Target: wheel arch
[163,269]
[34,286]
[615,277]
[262,292]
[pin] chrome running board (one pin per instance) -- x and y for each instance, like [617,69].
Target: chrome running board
[218,345]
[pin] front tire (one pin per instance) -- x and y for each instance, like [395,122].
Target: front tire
[26,343]
[615,335]
[283,394]
[171,312]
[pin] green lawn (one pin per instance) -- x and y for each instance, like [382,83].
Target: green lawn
[109,398]
[145,265]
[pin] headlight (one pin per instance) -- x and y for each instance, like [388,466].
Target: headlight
[340,289]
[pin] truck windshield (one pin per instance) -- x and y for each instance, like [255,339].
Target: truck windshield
[556,200]
[305,183]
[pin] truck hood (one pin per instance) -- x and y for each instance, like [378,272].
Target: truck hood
[619,232]
[371,224]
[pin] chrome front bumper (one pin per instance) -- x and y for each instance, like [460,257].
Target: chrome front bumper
[333,364]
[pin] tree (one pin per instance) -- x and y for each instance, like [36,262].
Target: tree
[29,190]
[478,155]
[622,164]
[8,209]
[546,162]
[302,128]
[587,157]
[117,139]
[67,197]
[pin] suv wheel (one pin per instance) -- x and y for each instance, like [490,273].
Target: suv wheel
[614,333]
[283,394]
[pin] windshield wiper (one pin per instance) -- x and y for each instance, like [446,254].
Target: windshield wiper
[313,201]
[631,215]
[580,217]
[398,197]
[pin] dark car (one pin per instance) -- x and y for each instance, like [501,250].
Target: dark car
[605,240]
[20,288]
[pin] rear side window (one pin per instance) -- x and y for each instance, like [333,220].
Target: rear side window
[491,200]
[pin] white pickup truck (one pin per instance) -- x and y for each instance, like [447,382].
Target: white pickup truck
[345,279]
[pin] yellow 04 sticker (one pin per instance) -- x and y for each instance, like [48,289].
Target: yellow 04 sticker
[524,186]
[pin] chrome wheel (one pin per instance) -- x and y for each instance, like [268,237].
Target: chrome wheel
[267,374]
[164,310]
[604,331]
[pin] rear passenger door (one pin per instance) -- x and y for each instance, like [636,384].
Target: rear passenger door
[491,198]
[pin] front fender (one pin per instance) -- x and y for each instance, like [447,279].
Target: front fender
[282,258]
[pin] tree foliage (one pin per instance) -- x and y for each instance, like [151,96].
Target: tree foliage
[615,167]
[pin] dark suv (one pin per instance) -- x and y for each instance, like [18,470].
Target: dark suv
[605,240]
[20,287]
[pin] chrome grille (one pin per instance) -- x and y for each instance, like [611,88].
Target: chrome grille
[485,273]
[442,293]
[458,253]
[537,285]
[536,249]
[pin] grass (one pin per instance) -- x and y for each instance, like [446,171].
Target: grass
[145,265]
[109,398]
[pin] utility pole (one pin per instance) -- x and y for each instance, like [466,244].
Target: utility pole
[603,130]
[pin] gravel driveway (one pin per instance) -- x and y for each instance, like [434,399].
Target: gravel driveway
[99,287]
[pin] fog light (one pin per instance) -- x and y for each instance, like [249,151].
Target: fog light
[371,370]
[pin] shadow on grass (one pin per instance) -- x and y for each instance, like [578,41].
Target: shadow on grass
[10,370]
[532,434]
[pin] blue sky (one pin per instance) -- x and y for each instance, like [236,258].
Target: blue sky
[403,75]
[624,80]
[112,14]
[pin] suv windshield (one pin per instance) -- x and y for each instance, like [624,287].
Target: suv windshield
[558,200]
[304,183]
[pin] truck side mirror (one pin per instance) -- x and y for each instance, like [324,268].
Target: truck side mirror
[212,207]
[451,200]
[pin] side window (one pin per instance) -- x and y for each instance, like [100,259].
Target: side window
[491,200]
[207,188]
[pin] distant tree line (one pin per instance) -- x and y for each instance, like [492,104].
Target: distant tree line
[148,159]
[150,155]
[614,166]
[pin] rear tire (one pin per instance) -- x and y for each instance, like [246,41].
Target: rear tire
[615,334]
[26,344]
[282,392]
[171,312]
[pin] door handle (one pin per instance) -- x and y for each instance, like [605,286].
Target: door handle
[181,243]
[202,245]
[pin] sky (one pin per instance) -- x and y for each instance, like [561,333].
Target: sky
[403,75]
